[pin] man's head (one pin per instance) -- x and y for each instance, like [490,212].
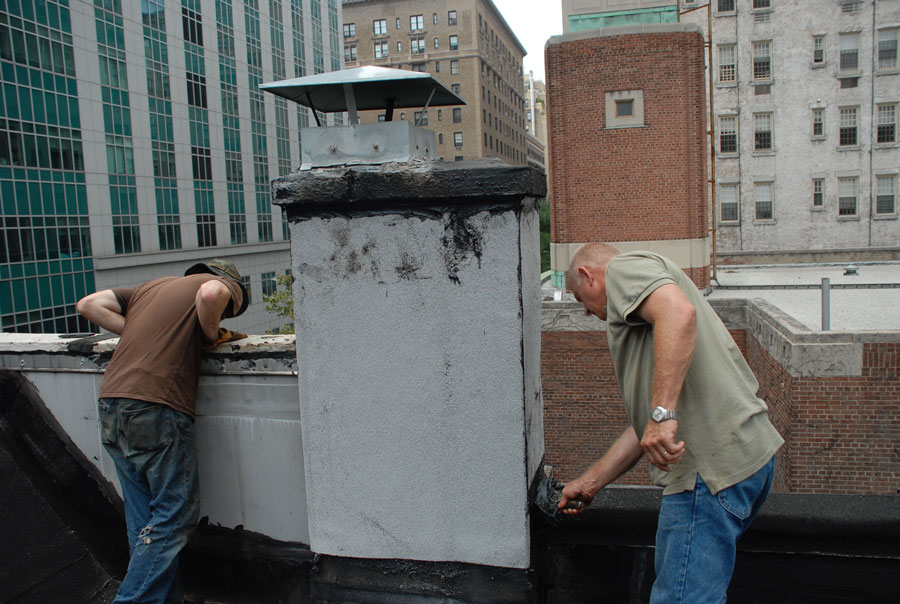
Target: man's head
[587,276]
[222,268]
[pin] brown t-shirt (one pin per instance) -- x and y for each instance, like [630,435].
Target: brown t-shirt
[158,355]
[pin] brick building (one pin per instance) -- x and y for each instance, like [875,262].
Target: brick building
[626,135]
[468,47]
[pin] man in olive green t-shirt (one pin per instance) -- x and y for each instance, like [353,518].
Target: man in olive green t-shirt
[691,401]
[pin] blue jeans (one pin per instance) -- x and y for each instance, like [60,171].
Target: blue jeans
[696,538]
[155,454]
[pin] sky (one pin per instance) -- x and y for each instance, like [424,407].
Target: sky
[533,22]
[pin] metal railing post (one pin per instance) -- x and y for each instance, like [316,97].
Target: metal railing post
[826,304]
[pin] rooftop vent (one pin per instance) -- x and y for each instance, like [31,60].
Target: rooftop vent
[362,89]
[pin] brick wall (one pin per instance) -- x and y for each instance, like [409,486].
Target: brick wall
[636,183]
[842,434]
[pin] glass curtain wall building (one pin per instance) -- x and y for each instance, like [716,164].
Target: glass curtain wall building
[134,142]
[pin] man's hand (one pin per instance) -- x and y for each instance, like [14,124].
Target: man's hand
[578,490]
[659,444]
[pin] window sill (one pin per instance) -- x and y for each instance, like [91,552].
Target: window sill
[817,209]
[887,145]
[730,223]
[764,153]
[848,218]
[817,65]
[728,155]
[886,72]
[846,75]
[726,84]
[729,13]
[844,148]
[884,217]
[818,139]
[764,222]
[624,126]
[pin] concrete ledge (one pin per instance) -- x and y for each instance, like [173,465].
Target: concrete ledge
[626,30]
[412,185]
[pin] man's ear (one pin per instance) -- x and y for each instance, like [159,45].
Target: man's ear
[584,272]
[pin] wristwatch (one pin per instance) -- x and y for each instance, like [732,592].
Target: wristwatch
[661,414]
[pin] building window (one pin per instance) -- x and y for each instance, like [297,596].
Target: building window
[451,17]
[818,50]
[439,112]
[762,192]
[727,65]
[268,284]
[887,49]
[420,67]
[728,203]
[421,118]
[416,22]
[762,131]
[847,188]
[759,4]
[245,281]
[886,194]
[454,67]
[849,53]
[818,192]
[762,61]
[454,88]
[440,138]
[454,42]
[818,123]
[380,27]
[457,115]
[350,53]
[457,139]
[437,43]
[625,108]
[726,6]
[434,18]
[848,135]
[349,30]
[886,130]
[728,134]
[417,45]
[381,50]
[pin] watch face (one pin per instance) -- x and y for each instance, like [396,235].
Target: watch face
[658,413]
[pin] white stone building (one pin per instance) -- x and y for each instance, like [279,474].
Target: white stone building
[805,111]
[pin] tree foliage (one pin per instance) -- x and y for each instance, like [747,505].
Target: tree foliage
[281,302]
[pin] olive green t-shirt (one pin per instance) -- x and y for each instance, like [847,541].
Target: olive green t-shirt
[724,425]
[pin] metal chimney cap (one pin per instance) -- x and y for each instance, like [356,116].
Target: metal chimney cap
[373,88]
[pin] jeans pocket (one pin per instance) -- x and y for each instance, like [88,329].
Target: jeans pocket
[146,428]
[108,423]
[741,499]
[736,501]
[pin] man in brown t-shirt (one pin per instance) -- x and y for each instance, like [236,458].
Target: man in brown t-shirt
[146,410]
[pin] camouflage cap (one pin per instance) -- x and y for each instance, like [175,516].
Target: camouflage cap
[222,268]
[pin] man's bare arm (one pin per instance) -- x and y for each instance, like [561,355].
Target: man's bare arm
[674,321]
[620,458]
[212,299]
[103,309]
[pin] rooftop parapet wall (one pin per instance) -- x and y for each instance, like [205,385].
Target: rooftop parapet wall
[248,422]
[832,395]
